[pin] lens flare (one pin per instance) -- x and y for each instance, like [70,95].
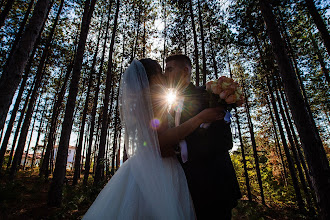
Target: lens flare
[155,123]
[171,96]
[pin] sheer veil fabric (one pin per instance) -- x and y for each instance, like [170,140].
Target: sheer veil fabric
[146,186]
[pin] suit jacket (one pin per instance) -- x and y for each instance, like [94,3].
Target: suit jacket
[209,171]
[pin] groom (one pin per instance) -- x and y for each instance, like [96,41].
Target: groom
[204,153]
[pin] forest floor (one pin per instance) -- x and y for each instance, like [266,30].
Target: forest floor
[26,198]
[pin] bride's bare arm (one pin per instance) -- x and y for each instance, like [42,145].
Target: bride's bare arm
[169,137]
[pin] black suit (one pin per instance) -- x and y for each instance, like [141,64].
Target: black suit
[209,171]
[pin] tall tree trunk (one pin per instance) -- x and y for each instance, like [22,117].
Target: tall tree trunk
[4,143]
[294,144]
[254,147]
[293,59]
[21,29]
[286,149]
[144,39]
[55,191]
[76,175]
[18,126]
[319,58]
[214,62]
[5,12]
[247,181]
[321,26]
[18,99]
[93,114]
[119,149]
[137,33]
[203,41]
[195,41]
[32,129]
[99,164]
[44,171]
[39,76]
[12,73]
[38,136]
[314,151]
[277,142]
[165,32]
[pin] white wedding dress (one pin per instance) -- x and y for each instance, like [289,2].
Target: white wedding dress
[146,186]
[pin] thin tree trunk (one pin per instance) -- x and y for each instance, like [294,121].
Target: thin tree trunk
[144,39]
[165,32]
[320,59]
[137,33]
[10,125]
[12,73]
[294,145]
[314,151]
[277,142]
[297,146]
[44,171]
[39,76]
[247,181]
[55,191]
[195,41]
[118,151]
[18,127]
[20,31]
[32,129]
[93,114]
[214,62]
[18,99]
[5,12]
[321,26]
[38,136]
[254,147]
[99,164]
[286,149]
[76,175]
[203,42]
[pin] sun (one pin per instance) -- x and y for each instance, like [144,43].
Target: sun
[171,97]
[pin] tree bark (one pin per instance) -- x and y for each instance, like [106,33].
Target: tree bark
[254,147]
[96,96]
[39,76]
[55,191]
[19,123]
[195,41]
[321,26]
[314,151]
[203,42]
[20,31]
[76,175]
[12,73]
[32,129]
[44,171]
[38,136]
[104,128]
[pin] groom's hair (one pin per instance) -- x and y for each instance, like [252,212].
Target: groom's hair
[180,58]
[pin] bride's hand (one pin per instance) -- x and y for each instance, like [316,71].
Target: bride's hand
[211,114]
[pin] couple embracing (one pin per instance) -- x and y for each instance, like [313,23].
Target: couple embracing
[176,168]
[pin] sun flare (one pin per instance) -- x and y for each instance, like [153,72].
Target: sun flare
[171,97]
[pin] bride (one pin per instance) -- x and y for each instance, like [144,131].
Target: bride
[147,186]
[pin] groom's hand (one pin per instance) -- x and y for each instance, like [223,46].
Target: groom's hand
[211,114]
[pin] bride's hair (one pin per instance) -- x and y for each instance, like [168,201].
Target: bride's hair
[151,66]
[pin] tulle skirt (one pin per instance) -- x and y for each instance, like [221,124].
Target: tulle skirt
[128,196]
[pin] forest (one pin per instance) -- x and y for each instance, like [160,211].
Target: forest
[61,62]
